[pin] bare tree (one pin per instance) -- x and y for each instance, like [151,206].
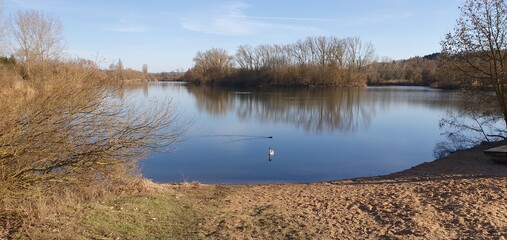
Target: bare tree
[2,29]
[145,69]
[265,56]
[213,64]
[478,48]
[36,37]
[71,128]
[301,52]
[119,70]
[359,54]
[119,65]
[323,50]
[314,61]
[338,52]
[245,57]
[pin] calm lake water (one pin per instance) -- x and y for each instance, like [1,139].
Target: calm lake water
[318,134]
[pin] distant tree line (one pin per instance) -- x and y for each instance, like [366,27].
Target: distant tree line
[430,70]
[316,61]
[119,72]
[168,76]
[319,61]
[7,60]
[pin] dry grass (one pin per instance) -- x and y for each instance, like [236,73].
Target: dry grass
[66,137]
[159,212]
[34,210]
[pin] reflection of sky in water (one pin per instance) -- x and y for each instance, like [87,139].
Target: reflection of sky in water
[318,134]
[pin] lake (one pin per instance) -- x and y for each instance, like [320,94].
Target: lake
[317,134]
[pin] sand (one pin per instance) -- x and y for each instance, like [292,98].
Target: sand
[462,196]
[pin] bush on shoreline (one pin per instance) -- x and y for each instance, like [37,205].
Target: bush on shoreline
[64,131]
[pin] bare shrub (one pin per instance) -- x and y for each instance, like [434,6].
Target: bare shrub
[64,129]
[468,128]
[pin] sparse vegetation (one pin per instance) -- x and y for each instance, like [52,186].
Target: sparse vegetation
[158,212]
[118,72]
[67,131]
[69,145]
[475,51]
[64,131]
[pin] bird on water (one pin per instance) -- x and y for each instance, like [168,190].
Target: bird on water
[271,153]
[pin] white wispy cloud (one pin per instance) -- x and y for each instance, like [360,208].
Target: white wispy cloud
[129,29]
[128,25]
[231,19]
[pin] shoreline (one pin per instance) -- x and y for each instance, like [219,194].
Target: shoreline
[471,162]
[436,85]
[459,196]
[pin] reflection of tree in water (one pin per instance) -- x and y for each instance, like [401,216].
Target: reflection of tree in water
[132,87]
[316,109]
[322,110]
[472,124]
[215,101]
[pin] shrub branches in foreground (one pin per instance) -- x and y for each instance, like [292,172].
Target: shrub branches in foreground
[66,128]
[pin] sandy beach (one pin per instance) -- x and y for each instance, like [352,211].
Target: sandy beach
[462,196]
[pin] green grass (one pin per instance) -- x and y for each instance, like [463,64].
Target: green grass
[137,217]
[170,214]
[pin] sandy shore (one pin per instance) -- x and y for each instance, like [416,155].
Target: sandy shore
[462,196]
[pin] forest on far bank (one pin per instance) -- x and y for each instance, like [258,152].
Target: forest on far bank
[317,61]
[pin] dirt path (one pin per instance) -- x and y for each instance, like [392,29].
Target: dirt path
[463,196]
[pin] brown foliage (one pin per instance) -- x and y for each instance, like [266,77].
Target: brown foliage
[420,71]
[65,128]
[316,61]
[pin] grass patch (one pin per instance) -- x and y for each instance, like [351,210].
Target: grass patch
[139,217]
[172,213]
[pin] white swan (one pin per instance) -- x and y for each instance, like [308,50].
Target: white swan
[271,152]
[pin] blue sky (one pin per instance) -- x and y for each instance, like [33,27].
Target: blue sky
[166,34]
